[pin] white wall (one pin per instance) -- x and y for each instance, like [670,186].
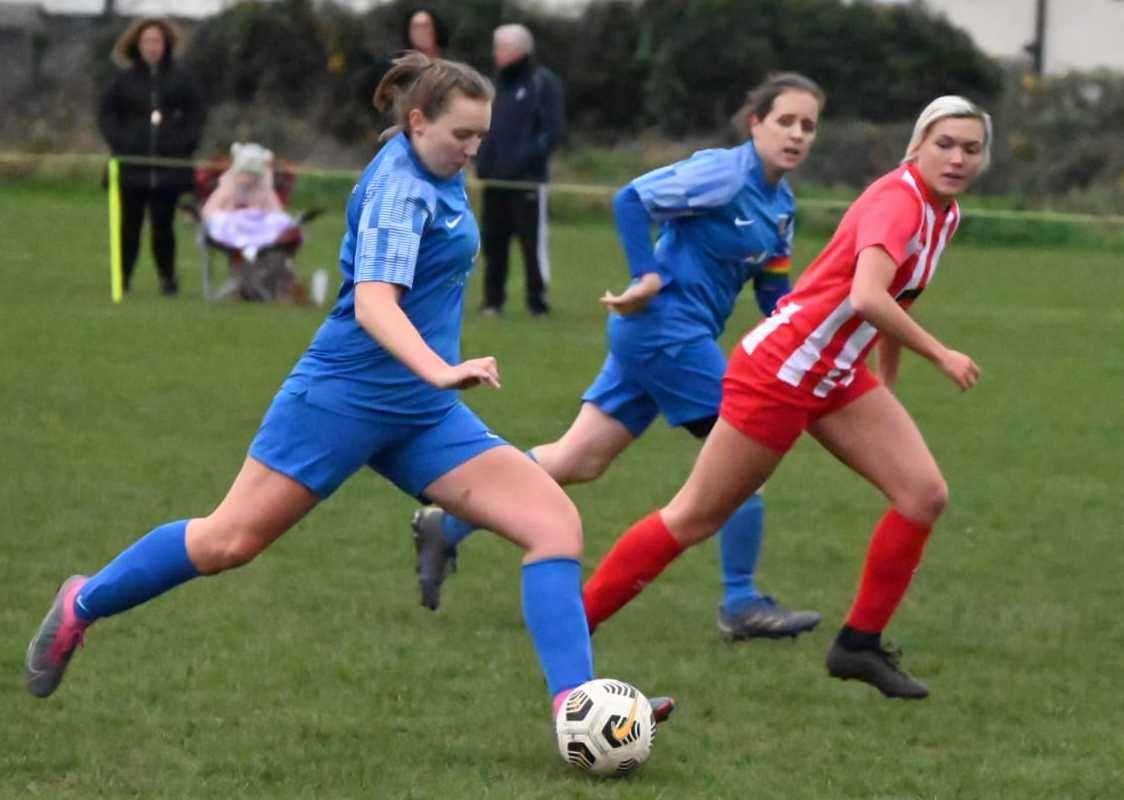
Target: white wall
[1080,34]
[1084,34]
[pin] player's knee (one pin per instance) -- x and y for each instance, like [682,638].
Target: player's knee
[928,500]
[571,461]
[242,549]
[568,532]
[228,547]
[588,467]
[558,533]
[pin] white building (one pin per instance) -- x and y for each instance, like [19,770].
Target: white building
[1078,34]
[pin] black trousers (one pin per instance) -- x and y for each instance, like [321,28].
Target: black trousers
[520,213]
[161,202]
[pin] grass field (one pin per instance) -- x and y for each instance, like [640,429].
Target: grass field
[314,673]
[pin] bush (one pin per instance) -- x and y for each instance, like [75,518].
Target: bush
[680,68]
[1062,137]
[261,53]
[877,63]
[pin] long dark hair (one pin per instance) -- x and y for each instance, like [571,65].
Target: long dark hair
[440,29]
[417,81]
[759,100]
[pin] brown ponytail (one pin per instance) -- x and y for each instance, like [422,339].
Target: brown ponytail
[417,81]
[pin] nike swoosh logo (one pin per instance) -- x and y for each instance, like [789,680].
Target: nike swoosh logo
[742,223]
[625,729]
[453,222]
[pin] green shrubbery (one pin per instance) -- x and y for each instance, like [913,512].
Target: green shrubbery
[678,68]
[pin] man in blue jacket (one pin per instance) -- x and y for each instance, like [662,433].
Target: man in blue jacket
[527,124]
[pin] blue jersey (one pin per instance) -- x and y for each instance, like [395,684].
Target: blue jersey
[721,224]
[404,226]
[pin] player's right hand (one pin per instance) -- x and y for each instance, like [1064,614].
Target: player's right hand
[467,374]
[960,368]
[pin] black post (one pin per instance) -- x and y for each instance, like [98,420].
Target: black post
[1039,47]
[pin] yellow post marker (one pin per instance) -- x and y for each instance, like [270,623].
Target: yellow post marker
[116,279]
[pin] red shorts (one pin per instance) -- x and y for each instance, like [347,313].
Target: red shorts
[772,412]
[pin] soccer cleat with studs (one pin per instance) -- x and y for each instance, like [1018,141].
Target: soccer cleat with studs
[436,558]
[60,634]
[661,708]
[878,666]
[765,618]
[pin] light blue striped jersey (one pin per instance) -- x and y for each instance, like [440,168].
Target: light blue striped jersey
[721,224]
[404,226]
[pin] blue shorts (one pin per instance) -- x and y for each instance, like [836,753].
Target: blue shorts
[322,449]
[683,382]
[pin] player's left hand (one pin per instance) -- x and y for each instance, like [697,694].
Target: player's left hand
[960,368]
[636,297]
[468,374]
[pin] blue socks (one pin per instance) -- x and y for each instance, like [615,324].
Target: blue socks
[153,565]
[457,530]
[552,599]
[739,543]
[555,617]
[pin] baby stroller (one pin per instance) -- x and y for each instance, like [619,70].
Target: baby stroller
[240,206]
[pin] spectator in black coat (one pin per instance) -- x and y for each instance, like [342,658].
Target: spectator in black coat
[152,108]
[527,124]
[423,30]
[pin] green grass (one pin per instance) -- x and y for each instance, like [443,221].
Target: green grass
[313,672]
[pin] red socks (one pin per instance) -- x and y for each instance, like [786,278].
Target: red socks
[636,559]
[645,550]
[891,559]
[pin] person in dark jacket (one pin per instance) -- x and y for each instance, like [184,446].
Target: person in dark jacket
[423,30]
[527,124]
[152,108]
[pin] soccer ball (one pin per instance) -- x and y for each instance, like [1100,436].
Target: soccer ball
[605,727]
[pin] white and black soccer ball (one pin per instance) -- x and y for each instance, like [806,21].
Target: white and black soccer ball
[605,727]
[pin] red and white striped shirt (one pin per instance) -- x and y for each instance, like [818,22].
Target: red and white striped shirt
[814,338]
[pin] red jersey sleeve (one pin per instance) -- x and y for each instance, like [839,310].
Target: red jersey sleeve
[891,220]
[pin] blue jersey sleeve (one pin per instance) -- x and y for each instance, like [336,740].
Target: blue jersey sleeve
[708,179]
[634,228]
[390,229]
[768,290]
